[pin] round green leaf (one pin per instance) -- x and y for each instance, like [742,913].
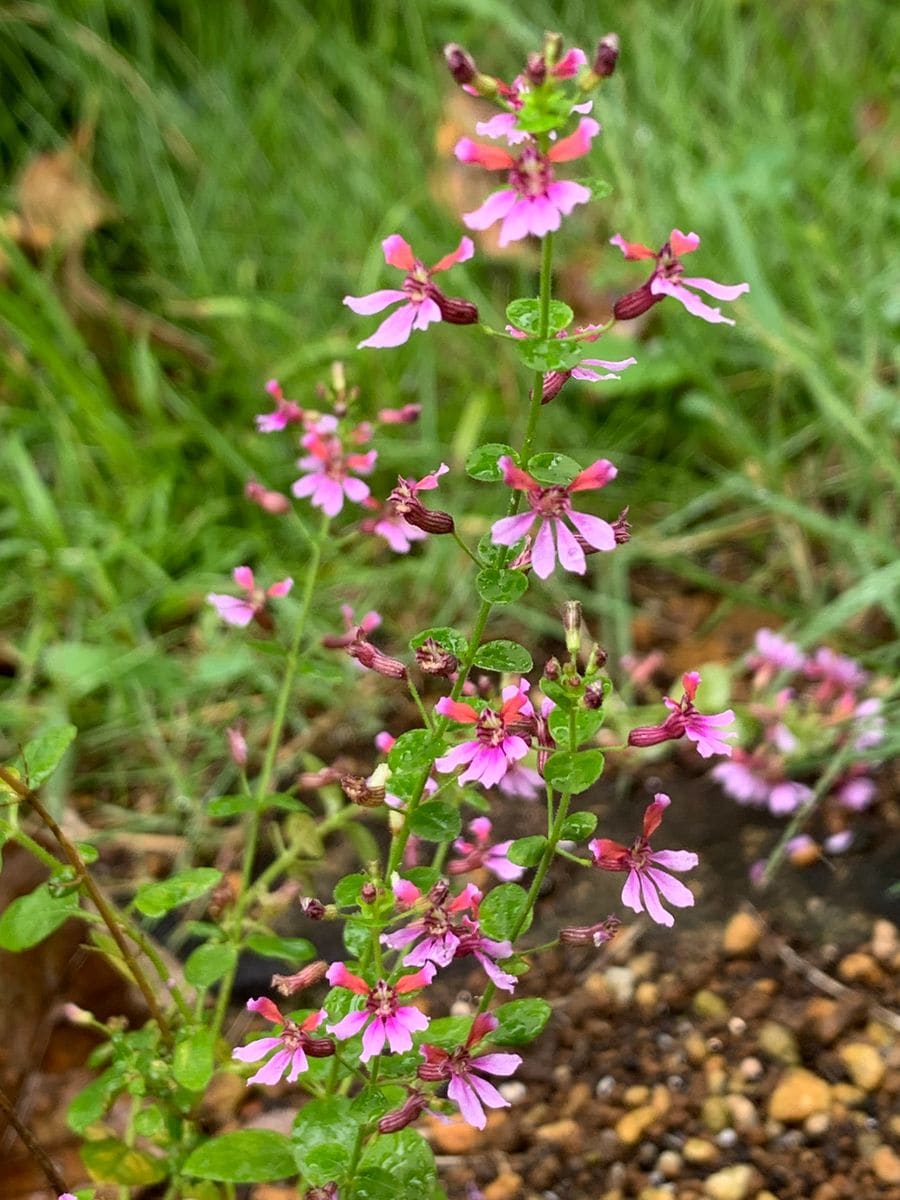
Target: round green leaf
[248,1156]
[587,723]
[329,1121]
[482,462]
[156,899]
[396,1165]
[269,945]
[207,964]
[111,1161]
[578,826]
[502,909]
[573,771]
[414,750]
[435,821]
[553,468]
[520,1021]
[527,851]
[496,586]
[551,354]
[346,890]
[29,919]
[526,315]
[450,639]
[503,655]
[194,1059]
[42,755]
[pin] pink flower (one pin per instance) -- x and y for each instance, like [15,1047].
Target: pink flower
[787,796]
[467,1089]
[421,302]
[486,951]
[291,1046]
[535,200]
[739,780]
[684,720]
[771,654]
[435,926]
[494,748]
[239,611]
[668,279]
[554,380]
[836,673]
[286,411]
[481,853]
[856,791]
[645,880]
[269,501]
[384,1018]
[396,531]
[329,479]
[551,508]
[521,783]
[404,502]
[370,621]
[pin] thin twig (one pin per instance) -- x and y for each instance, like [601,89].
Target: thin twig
[32,1145]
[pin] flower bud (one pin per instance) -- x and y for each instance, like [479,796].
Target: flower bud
[439,893]
[411,509]
[597,659]
[433,659]
[606,56]
[536,69]
[635,303]
[621,528]
[400,1117]
[596,935]
[311,780]
[77,1016]
[268,501]
[552,669]
[593,696]
[221,897]
[432,1072]
[328,1191]
[358,790]
[460,63]
[312,908]
[454,310]
[553,385]
[552,52]
[237,746]
[368,892]
[571,618]
[289,984]
[366,654]
[400,416]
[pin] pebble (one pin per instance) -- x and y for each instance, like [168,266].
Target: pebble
[885,941]
[726,1138]
[731,1183]
[715,1113]
[513,1090]
[829,1018]
[646,995]
[848,1094]
[817,1125]
[708,1004]
[743,1113]
[455,1136]
[632,1126]
[565,1133]
[799,1094]
[621,984]
[742,935]
[636,1095]
[779,1043]
[695,1048]
[860,968]
[864,1064]
[885,1162]
[605,1087]
[699,1152]
[751,1068]
[507,1186]
[669,1164]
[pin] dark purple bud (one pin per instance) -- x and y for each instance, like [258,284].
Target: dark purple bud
[553,385]
[634,304]
[606,56]
[621,528]
[536,69]
[433,659]
[312,908]
[460,63]
[368,892]
[593,696]
[328,1192]
[596,935]
[364,652]
[552,669]
[400,1117]
[408,506]
[309,975]
[358,790]
[439,893]
[597,659]
[400,416]
[454,310]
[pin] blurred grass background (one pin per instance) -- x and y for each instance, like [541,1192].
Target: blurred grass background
[254,155]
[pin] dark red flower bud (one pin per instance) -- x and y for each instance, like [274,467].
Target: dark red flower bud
[358,790]
[312,908]
[606,56]
[593,696]
[596,935]
[552,669]
[460,63]
[405,504]
[439,893]
[368,892]
[432,1072]
[364,652]
[536,69]
[553,385]
[454,310]
[400,416]
[634,304]
[433,659]
[309,975]
[400,1117]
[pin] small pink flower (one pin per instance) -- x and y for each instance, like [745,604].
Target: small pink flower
[494,748]
[467,1089]
[668,279]
[382,1016]
[370,621]
[772,654]
[269,501]
[856,791]
[435,926]
[535,201]
[742,780]
[551,508]
[684,720]
[286,411]
[420,300]
[237,610]
[385,523]
[836,673]
[786,796]
[329,480]
[486,951]
[290,1047]
[481,853]
[645,880]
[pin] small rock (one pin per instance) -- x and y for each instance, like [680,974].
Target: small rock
[743,1113]
[885,940]
[715,1113]
[513,1090]
[885,1162]
[621,983]
[654,1193]
[695,1048]
[742,935]
[579,1095]
[507,1186]
[817,1125]
[565,1133]
[860,968]
[708,1004]
[636,1095]
[799,1094]
[633,1125]
[646,995]
[454,1136]
[829,1018]
[731,1183]
[669,1164]
[699,1152]
[751,1068]
[661,1099]
[605,1087]
[779,1043]
[643,965]
[848,1094]
[864,1064]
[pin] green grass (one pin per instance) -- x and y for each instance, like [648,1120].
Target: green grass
[257,154]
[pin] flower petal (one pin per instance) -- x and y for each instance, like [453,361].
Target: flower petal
[571,555]
[673,889]
[398,252]
[232,609]
[373,1040]
[509,530]
[632,250]
[495,208]
[462,1094]
[254,1051]
[596,532]
[721,291]
[462,253]
[543,552]
[493,158]
[375,302]
[576,144]
[394,331]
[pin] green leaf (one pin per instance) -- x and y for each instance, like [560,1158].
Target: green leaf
[520,1021]
[503,655]
[551,354]
[92,1101]
[450,639]
[396,1165]
[587,723]
[207,964]
[346,890]
[42,755]
[291,949]
[553,468]
[194,1059]
[435,821]
[573,771]
[600,188]
[325,1163]
[414,751]
[156,899]
[544,109]
[249,1156]
[231,806]
[500,586]
[423,878]
[30,919]
[111,1161]
[527,851]
[357,937]
[526,315]
[446,1032]
[329,1121]
[482,462]
[560,694]
[502,909]
[578,826]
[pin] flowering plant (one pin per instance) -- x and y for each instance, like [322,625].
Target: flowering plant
[367,1050]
